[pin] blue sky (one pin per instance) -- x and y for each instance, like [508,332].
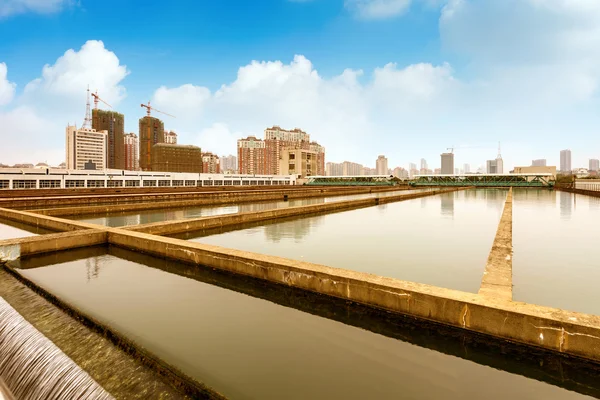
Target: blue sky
[403,78]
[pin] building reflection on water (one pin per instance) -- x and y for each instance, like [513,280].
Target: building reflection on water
[566,201]
[296,229]
[447,204]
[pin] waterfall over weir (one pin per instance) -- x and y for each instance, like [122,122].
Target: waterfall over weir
[32,367]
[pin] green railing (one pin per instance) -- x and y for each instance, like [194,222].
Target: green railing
[485,180]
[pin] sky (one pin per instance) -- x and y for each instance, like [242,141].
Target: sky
[404,78]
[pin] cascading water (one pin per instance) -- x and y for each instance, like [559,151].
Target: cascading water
[32,367]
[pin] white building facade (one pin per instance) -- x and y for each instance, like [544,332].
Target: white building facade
[86,148]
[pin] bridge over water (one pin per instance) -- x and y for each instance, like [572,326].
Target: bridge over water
[486,180]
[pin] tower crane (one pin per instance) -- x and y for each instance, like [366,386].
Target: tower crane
[451,149]
[149,108]
[97,98]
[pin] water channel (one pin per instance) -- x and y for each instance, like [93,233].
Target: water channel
[251,340]
[14,230]
[555,240]
[442,240]
[149,216]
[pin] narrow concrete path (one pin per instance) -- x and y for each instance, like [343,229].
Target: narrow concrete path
[497,278]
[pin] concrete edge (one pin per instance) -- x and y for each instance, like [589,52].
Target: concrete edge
[497,277]
[557,330]
[43,221]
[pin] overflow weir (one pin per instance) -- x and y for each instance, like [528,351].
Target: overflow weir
[488,316]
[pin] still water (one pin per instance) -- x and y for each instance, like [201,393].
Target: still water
[15,230]
[442,240]
[149,216]
[555,242]
[249,347]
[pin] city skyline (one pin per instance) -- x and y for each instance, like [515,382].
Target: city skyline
[409,99]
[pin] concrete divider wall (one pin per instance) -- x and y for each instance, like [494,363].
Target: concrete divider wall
[16,248]
[228,220]
[566,332]
[42,221]
[202,197]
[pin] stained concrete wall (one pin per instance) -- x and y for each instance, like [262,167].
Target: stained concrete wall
[16,248]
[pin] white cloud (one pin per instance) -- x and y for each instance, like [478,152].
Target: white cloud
[93,65]
[11,7]
[186,100]
[377,9]
[7,89]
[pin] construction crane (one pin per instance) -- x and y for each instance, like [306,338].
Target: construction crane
[451,149]
[149,108]
[97,98]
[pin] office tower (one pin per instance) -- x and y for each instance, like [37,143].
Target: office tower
[251,156]
[499,162]
[594,165]
[491,167]
[467,168]
[381,165]
[352,169]
[565,161]
[86,148]
[423,164]
[132,155]
[176,158]
[447,163]
[152,131]
[211,163]
[114,124]
[539,162]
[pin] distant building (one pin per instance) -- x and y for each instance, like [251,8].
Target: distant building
[437,171]
[538,163]
[594,165]
[565,161]
[456,171]
[114,124]
[62,165]
[132,155]
[86,146]
[152,131]
[320,154]
[581,173]
[447,163]
[491,167]
[41,165]
[352,169]
[210,163]
[535,170]
[298,162]
[467,169]
[170,137]
[381,165]
[334,169]
[251,156]
[278,139]
[176,158]
[369,171]
[400,172]
[423,163]
[229,163]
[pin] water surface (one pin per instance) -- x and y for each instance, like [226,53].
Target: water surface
[250,348]
[15,230]
[442,240]
[555,241]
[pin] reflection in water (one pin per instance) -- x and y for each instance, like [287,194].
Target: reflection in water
[15,230]
[447,203]
[566,204]
[92,266]
[295,229]
[248,338]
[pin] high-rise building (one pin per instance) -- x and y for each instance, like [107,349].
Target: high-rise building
[538,163]
[86,148]
[594,165]
[176,158]
[467,169]
[229,163]
[491,167]
[152,131]
[352,169]
[381,165]
[210,163]
[334,169]
[278,139]
[132,155]
[114,123]
[447,163]
[456,171]
[400,172]
[423,163]
[170,137]
[565,161]
[320,157]
[251,156]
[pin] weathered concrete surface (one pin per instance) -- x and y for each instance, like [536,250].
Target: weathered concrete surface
[124,376]
[592,193]
[240,219]
[211,197]
[562,331]
[42,221]
[497,277]
[14,248]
